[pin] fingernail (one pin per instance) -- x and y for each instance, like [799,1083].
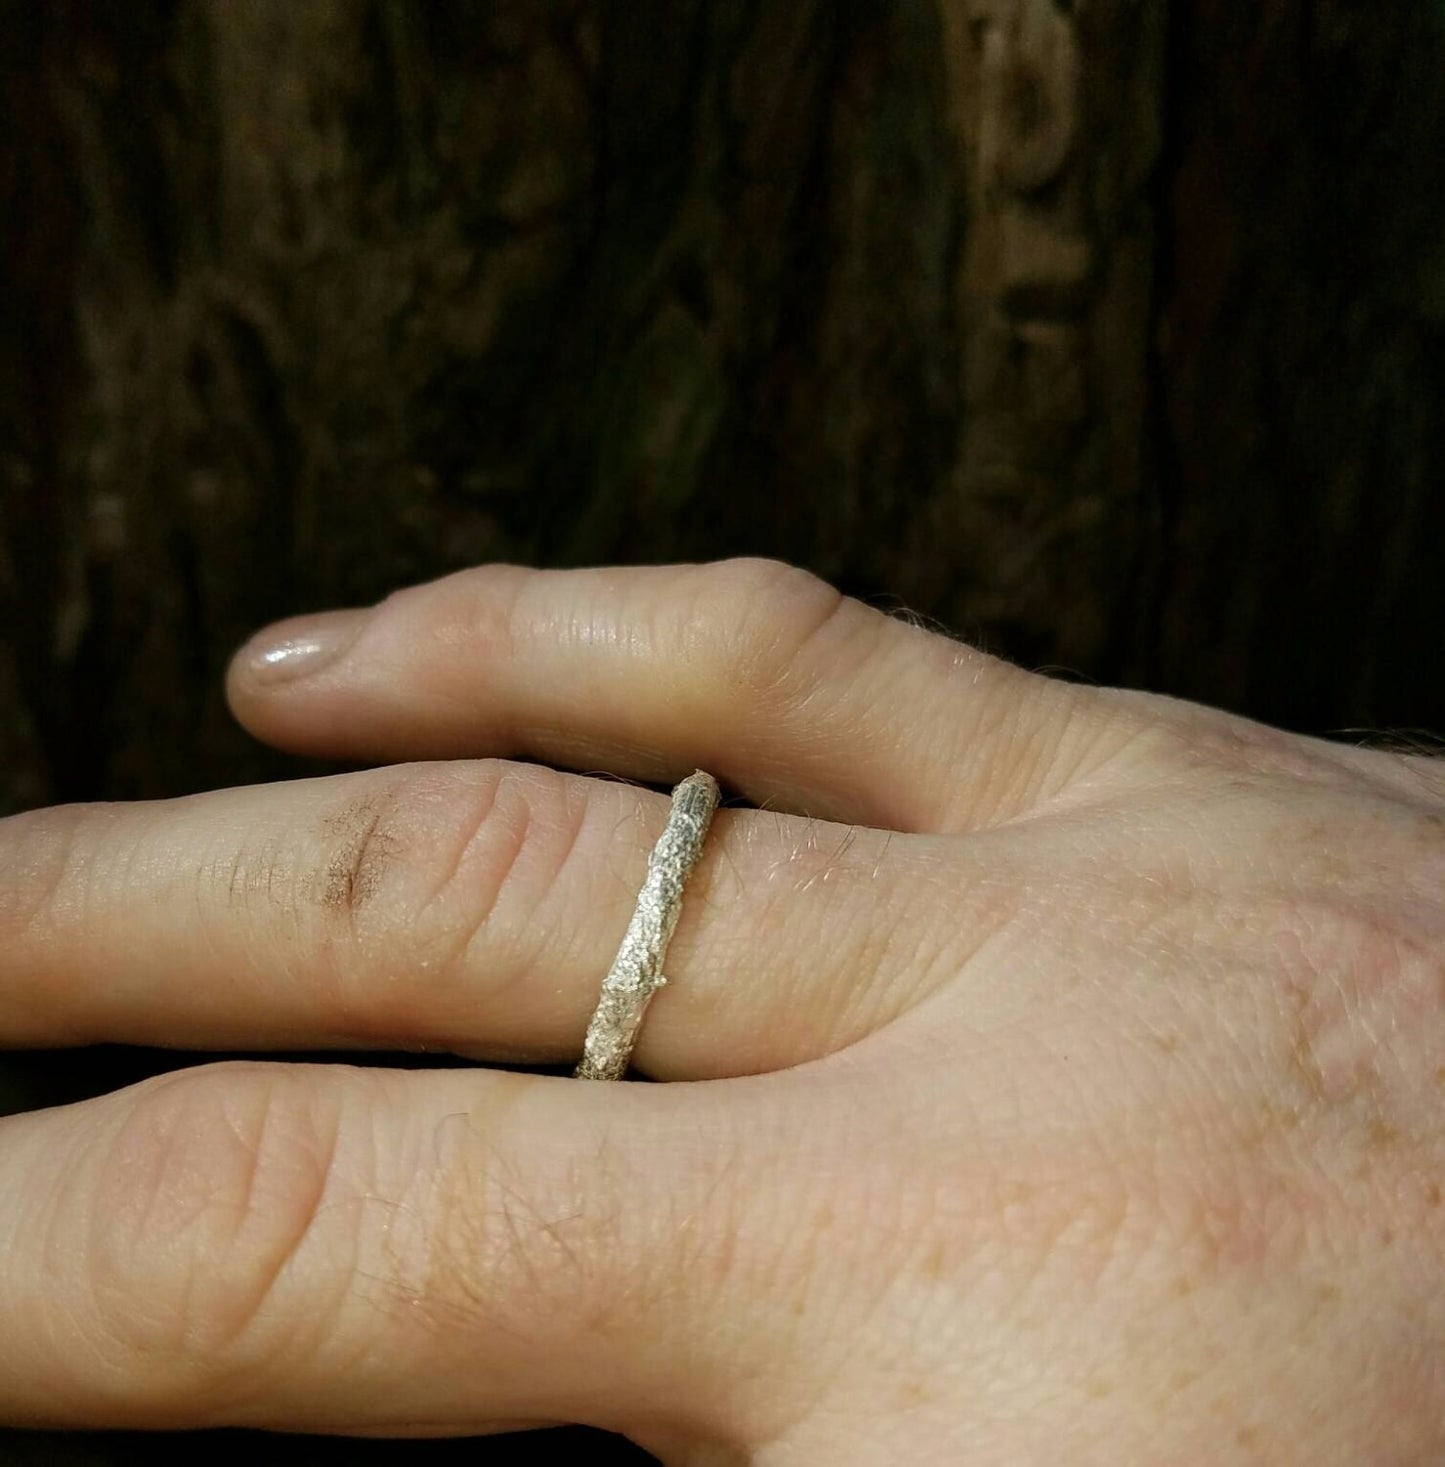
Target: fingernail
[300,647]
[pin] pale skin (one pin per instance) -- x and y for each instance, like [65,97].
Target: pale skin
[1055,1074]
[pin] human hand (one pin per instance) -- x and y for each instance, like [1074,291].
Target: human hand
[1072,1060]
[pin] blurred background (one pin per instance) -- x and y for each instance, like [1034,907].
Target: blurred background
[1107,333]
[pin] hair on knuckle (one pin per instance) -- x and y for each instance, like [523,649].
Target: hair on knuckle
[519,1246]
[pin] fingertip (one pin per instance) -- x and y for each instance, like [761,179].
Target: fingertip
[296,648]
[271,681]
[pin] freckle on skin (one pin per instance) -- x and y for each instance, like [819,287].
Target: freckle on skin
[1432,1194]
[1306,1065]
[913,1393]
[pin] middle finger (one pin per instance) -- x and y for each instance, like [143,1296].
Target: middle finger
[470,906]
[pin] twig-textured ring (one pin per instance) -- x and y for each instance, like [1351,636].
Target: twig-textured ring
[636,972]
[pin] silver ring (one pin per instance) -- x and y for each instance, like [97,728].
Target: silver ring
[636,972]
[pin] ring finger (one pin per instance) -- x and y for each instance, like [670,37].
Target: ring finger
[470,906]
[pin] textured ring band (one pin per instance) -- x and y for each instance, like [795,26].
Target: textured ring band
[636,972]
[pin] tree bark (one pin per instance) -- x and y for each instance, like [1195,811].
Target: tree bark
[306,301]
[1301,363]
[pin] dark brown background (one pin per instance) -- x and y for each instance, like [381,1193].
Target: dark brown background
[1107,332]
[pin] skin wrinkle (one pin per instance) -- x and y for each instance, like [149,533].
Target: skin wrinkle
[40,856]
[321,1143]
[778,1284]
[806,689]
[58,894]
[455,914]
[364,845]
[460,611]
[64,1221]
[473,828]
[134,1180]
[577,813]
[757,617]
[249,869]
[945,1246]
[507,871]
[321,1329]
[929,966]
[270,1153]
[994,726]
[503,873]
[861,1009]
[868,994]
[1099,774]
[1081,1132]
[1038,779]
[418,1298]
[781,673]
[513,1241]
[498,621]
[505,833]
[360,857]
[391,1278]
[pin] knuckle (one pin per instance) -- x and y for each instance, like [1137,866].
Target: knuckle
[492,839]
[1046,737]
[536,1247]
[348,868]
[768,616]
[43,865]
[1363,1000]
[214,1181]
[55,863]
[373,839]
[474,607]
[452,859]
[557,1249]
[1358,1024]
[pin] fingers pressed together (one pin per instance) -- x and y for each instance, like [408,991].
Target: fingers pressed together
[276,1244]
[334,1248]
